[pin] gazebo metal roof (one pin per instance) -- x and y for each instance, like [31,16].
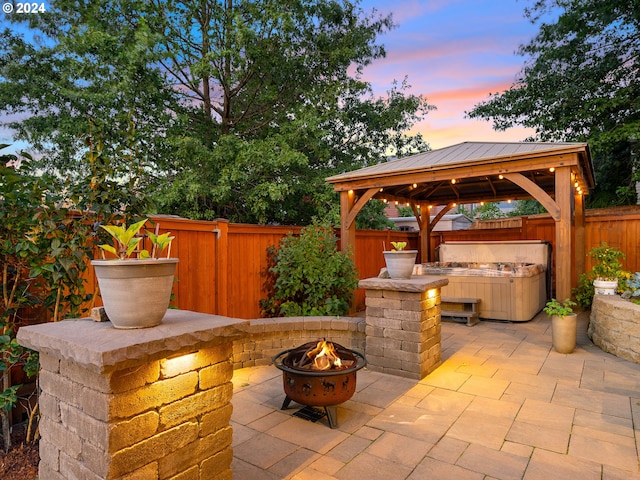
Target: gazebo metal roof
[478,169]
[558,175]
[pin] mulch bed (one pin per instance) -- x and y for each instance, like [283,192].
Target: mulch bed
[21,462]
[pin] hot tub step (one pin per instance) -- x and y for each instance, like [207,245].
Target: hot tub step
[460,309]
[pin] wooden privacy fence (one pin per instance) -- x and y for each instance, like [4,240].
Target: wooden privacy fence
[222,265]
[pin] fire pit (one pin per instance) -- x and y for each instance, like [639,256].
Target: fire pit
[319,374]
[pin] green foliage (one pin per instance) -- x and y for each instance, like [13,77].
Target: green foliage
[371,216]
[526,207]
[559,309]
[631,288]
[488,211]
[42,253]
[46,232]
[579,83]
[309,276]
[584,292]
[241,109]
[607,264]
[405,211]
[127,240]
[398,246]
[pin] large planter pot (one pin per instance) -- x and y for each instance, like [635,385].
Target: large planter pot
[400,263]
[605,287]
[135,293]
[564,332]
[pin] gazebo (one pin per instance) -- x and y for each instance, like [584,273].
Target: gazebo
[558,175]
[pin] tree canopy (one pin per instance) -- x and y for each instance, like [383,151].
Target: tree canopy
[232,108]
[580,82]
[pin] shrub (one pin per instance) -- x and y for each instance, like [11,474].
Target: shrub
[584,291]
[632,288]
[309,276]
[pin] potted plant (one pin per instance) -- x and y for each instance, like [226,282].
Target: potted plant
[136,285]
[400,262]
[563,324]
[606,269]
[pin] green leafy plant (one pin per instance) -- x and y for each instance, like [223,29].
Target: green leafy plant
[559,309]
[632,288]
[43,252]
[584,292]
[398,246]
[607,264]
[309,276]
[127,240]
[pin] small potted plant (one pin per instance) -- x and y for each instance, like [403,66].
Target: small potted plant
[135,285]
[606,269]
[563,324]
[400,262]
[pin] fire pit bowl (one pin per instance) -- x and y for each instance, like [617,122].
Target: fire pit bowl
[310,386]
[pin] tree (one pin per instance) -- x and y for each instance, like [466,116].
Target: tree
[580,82]
[241,108]
[488,211]
[526,207]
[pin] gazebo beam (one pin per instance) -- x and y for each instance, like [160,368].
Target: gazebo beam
[349,209]
[536,192]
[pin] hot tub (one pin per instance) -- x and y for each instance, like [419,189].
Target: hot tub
[511,279]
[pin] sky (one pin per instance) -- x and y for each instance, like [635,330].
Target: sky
[455,52]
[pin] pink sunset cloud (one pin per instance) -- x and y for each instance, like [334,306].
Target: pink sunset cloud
[454,52]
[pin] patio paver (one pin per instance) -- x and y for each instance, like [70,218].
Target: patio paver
[501,406]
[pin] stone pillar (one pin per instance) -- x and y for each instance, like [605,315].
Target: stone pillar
[147,404]
[403,325]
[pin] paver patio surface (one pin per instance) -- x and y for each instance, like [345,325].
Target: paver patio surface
[503,405]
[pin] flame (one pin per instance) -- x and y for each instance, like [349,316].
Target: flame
[324,356]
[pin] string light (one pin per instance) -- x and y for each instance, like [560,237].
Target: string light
[552,169]
[453,181]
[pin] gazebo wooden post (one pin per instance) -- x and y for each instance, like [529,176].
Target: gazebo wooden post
[579,240]
[424,224]
[563,189]
[425,234]
[347,227]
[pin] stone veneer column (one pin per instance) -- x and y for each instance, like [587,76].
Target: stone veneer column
[147,404]
[403,325]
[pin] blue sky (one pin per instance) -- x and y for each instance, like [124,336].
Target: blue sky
[455,52]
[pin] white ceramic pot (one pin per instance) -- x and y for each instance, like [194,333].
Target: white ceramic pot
[135,293]
[564,331]
[400,263]
[605,287]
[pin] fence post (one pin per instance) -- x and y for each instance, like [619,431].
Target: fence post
[221,280]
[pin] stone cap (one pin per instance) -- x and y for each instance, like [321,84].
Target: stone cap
[417,283]
[100,347]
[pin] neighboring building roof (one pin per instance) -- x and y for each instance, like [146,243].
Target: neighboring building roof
[454,221]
